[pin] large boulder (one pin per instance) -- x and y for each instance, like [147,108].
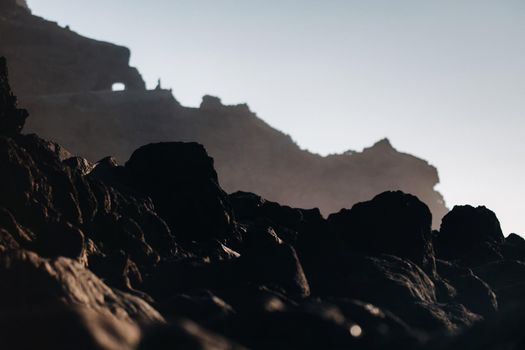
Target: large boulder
[56,210]
[183,184]
[276,266]
[459,284]
[40,296]
[514,247]
[393,223]
[470,235]
[507,278]
[393,284]
[30,280]
[60,327]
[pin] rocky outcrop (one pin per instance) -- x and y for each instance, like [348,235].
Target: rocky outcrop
[12,119]
[391,223]
[89,247]
[67,62]
[181,181]
[59,304]
[155,254]
[71,103]
[472,235]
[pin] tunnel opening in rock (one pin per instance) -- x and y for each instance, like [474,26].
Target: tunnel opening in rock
[118,87]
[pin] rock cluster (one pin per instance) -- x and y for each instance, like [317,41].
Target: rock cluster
[66,86]
[155,255]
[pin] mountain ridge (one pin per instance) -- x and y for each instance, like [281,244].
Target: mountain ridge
[73,105]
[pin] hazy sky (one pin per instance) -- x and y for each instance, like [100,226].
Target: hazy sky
[442,79]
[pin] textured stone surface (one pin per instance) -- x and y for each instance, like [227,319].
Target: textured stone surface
[90,251]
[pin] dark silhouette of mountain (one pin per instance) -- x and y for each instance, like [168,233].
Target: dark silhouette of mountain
[154,254]
[66,86]
[47,59]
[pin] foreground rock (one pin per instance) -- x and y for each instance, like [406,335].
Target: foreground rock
[154,254]
[391,223]
[470,235]
[61,304]
[181,181]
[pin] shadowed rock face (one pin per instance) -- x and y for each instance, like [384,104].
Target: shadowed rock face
[183,184]
[95,249]
[249,155]
[70,102]
[391,223]
[12,119]
[155,255]
[470,234]
[47,59]
[85,248]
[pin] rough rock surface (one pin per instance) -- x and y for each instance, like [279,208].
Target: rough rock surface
[181,181]
[63,305]
[391,223]
[12,119]
[66,63]
[70,101]
[472,235]
[154,254]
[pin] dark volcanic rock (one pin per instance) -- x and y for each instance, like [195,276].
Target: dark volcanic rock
[514,247]
[183,184]
[392,223]
[470,235]
[30,280]
[202,306]
[394,284]
[507,278]
[71,102]
[184,334]
[276,266]
[62,305]
[64,213]
[12,119]
[79,164]
[468,289]
[59,327]
[249,154]
[502,331]
[245,270]
[286,221]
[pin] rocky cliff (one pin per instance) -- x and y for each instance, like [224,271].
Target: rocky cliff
[64,80]
[45,58]
[154,254]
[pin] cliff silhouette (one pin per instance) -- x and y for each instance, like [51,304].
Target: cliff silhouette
[154,255]
[66,86]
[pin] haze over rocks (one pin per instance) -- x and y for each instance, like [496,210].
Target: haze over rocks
[154,254]
[66,85]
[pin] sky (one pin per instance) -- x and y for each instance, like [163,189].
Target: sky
[442,79]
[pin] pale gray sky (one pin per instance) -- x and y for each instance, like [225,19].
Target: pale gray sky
[443,79]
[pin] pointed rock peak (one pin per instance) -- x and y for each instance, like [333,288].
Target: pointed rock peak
[211,103]
[381,145]
[22,3]
[14,5]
